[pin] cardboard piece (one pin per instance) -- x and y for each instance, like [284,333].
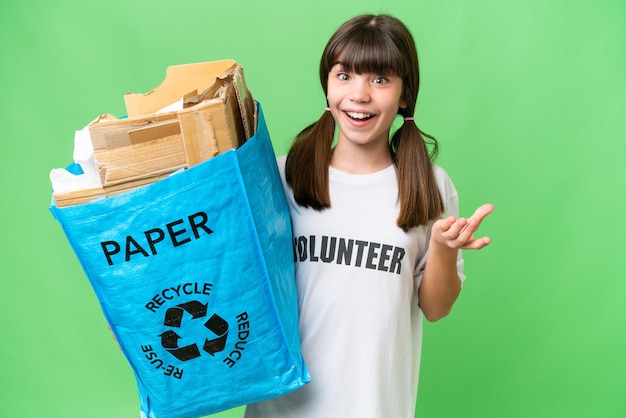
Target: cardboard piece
[120,165]
[108,132]
[179,81]
[217,113]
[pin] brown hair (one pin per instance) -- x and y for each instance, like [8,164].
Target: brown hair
[378,44]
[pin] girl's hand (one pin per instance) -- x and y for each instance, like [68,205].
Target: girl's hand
[458,233]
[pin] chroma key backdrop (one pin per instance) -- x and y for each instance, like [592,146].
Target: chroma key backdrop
[527,100]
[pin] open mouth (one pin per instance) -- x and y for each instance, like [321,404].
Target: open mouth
[359,116]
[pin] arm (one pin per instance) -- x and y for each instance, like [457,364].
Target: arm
[440,286]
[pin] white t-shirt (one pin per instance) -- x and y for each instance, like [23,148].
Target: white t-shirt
[357,277]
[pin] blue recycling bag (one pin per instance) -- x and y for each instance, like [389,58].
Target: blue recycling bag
[195,276]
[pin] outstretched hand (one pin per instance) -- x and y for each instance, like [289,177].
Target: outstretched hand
[458,233]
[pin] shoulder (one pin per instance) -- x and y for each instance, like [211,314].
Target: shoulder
[281,165]
[448,191]
[446,186]
[280,161]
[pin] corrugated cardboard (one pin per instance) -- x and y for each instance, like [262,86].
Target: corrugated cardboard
[218,113]
[120,165]
[107,132]
[180,80]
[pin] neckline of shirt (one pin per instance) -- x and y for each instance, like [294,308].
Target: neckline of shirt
[362,179]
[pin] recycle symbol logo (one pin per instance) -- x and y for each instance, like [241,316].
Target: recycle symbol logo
[216,325]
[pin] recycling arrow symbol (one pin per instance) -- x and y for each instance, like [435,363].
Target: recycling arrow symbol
[174,319]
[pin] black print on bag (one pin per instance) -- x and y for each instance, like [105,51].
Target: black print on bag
[181,231]
[189,332]
[196,311]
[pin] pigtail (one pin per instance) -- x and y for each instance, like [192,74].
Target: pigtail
[306,168]
[418,193]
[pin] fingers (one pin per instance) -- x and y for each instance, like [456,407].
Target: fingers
[451,227]
[459,232]
[475,220]
[446,232]
[467,235]
[482,211]
[477,244]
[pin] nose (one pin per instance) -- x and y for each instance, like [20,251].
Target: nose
[359,92]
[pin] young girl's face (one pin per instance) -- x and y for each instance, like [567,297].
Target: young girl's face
[363,105]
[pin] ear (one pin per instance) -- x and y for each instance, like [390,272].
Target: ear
[402,103]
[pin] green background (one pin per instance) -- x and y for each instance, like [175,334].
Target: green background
[527,99]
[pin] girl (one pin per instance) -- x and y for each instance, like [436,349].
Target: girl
[376,235]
